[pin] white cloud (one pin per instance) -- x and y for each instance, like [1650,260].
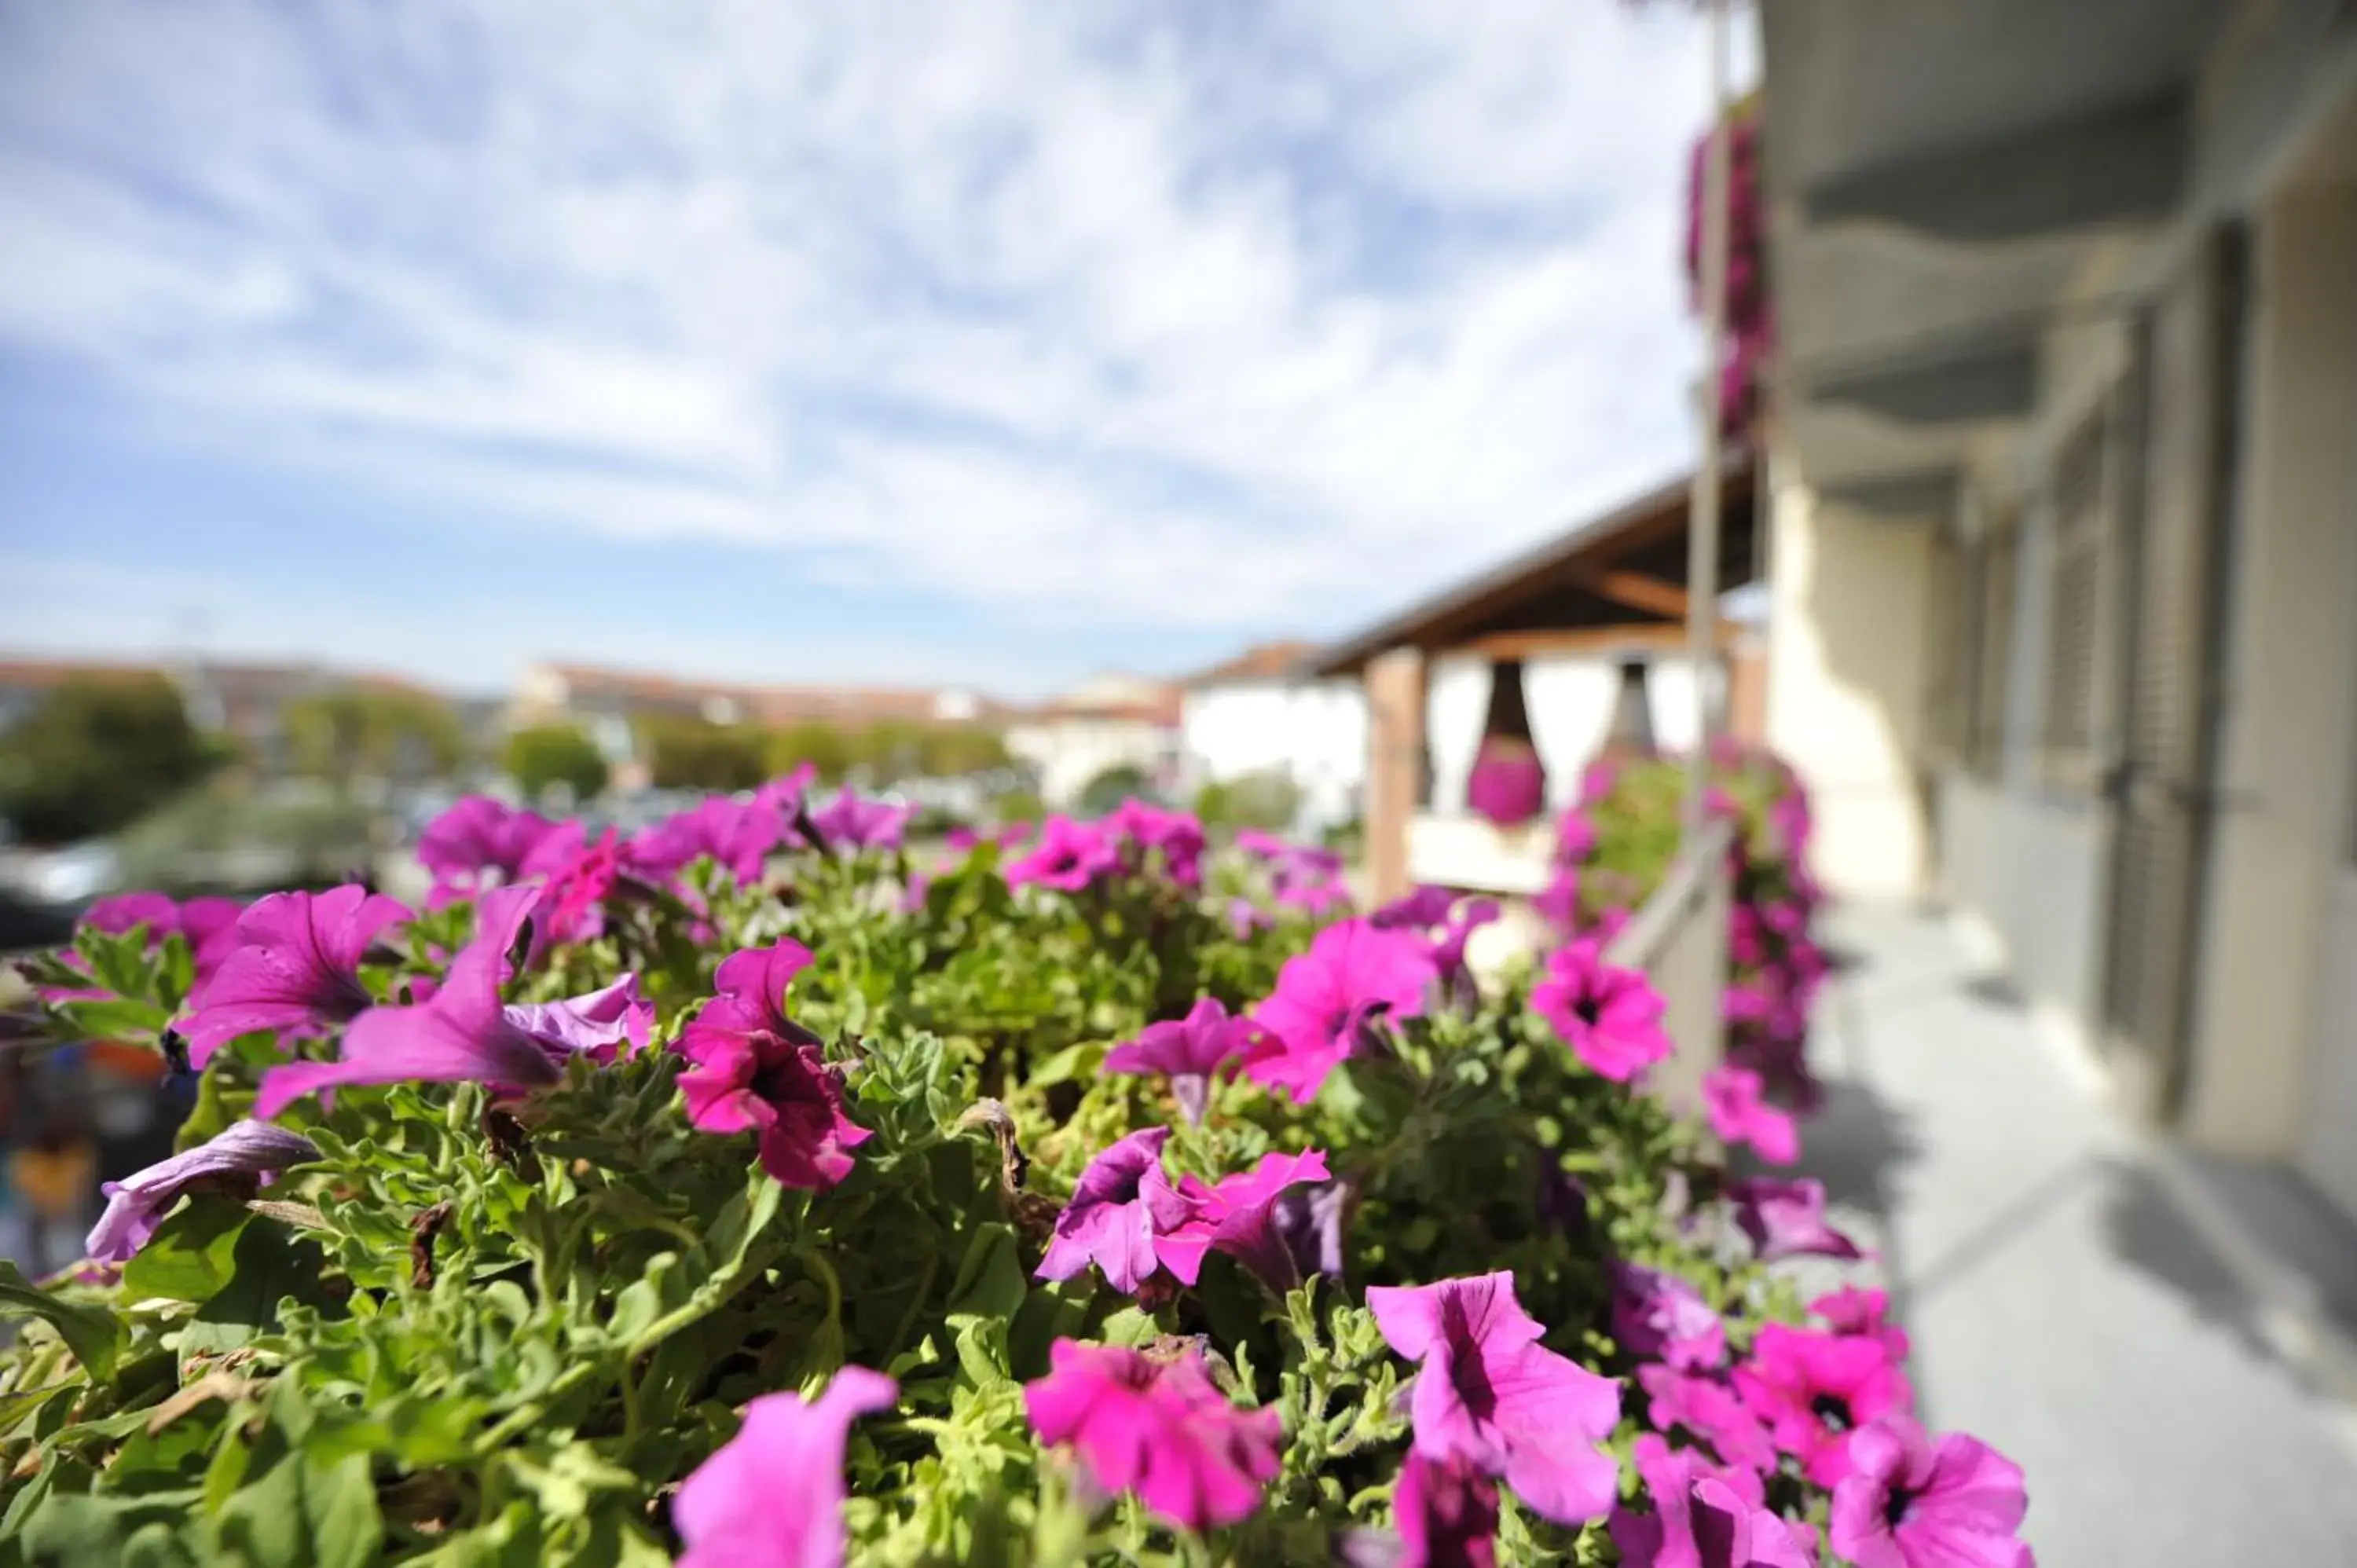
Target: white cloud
[1180,315]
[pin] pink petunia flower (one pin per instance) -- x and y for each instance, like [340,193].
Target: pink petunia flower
[1709,1410]
[1559,902]
[848,823]
[1444,1516]
[1189,1051]
[1488,1393]
[1787,1218]
[739,837]
[1155,1428]
[1814,1390]
[464,1034]
[1302,876]
[208,926]
[1069,856]
[1610,1017]
[1856,1309]
[1575,837]
[1327,997]
[1700,1520]
[1176,838]
[1740,1113]
[771,1497]
[136,1205]
[1658,1316]
[754,1069]
[1910,1501]
[1121,1204]
[297,966]
[574,909]
[1239,1217]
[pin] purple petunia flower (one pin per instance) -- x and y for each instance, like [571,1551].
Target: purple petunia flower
[1740,1113]
[297,966]
[1189,1052]
[136,1205]
[1610,1017]
[1814,1390]
[754,1069]
[1488,1393]
[1700,1520]
[463,1034]
[1658,1316]
[848,823]
[1157,1428]
[771,1497]
[1310,1220]
[480,842]
[1327,997]
[1121,1203]
[1787,1218]
[1443,1516]
[1711,1411]
[1069,856]
[1913,1502]
[1238,1217]
[1420,910]
[1302,876]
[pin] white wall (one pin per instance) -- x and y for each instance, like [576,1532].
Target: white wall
[1315,732]
[1845,684]
[2032,869]
[1068,752]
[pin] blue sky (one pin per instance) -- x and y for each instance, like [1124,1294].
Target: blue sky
[921,341]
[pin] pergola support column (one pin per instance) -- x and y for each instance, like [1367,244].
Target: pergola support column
[1395,702]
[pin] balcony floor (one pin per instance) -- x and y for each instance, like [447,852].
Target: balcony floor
[2064,1304]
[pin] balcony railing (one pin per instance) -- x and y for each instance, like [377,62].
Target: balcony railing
[1679,939]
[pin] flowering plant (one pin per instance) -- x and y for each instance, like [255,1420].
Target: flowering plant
[805,1204]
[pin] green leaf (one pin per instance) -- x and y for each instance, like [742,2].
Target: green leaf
[94,1335]
[267,1266]
[189,1258]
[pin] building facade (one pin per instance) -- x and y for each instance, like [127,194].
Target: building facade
[2063,468]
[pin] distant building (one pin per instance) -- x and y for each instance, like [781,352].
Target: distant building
[1110,721]
[1258,713]
[608,704]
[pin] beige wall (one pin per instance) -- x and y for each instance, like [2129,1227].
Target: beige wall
[1845,684]
[2032,867]
[2284,744]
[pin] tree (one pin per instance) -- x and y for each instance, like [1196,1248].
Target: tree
[356,733]
[949,751]
[690,754]
[97,753]
[1110,788]
[544,755]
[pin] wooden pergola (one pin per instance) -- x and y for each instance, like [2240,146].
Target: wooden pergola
[1613,584]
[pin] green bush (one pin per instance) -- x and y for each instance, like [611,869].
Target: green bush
[546,755]
[97,753]
[690,754]
[1269,800]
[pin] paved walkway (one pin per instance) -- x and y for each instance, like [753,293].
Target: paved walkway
[2063,1308]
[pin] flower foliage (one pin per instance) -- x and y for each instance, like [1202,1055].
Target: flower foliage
[772,1191]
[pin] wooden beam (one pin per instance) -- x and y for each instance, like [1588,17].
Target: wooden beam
[1637,591]
[1667,638]
[1395,698]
